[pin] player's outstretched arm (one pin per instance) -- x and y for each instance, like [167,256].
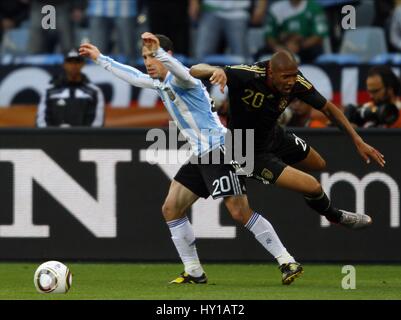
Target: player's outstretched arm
[122,71]
[366,151]
[216,75]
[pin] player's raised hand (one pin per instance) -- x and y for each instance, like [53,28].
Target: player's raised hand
[219,77]
[150,41]
[367,152]
[89,50]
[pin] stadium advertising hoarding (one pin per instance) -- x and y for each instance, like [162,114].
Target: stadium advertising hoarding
[22,84]
[94,195]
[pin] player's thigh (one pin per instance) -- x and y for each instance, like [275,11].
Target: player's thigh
[267,167]
[312,162]
[291,149]
[178,200]
[299,181]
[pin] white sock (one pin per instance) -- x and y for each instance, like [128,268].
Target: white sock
[265,234]
[184,240]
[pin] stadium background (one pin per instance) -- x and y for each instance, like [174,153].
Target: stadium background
[47,187]
[113,213]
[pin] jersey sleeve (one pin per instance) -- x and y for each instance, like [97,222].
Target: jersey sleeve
[42,113]
[96,116]
[126,73]
[235,75]
[181,74]
[308,93]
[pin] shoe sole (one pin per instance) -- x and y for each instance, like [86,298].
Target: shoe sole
[187,282]
[184,283]
[291,279]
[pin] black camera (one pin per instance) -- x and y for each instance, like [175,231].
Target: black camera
[366,116]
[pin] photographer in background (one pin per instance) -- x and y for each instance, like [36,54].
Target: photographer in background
[382,111]
[71,100]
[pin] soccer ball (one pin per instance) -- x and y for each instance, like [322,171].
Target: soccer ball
[52,277]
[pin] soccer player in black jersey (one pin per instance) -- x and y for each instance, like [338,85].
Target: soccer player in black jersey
[258,94]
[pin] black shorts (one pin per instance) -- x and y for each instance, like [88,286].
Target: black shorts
[217,180]
[287,149]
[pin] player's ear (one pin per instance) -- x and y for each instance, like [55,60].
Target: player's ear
[170,52]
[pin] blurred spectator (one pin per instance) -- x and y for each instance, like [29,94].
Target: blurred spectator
[230,18]
[332,9]
[46,40]
[299,114]
[176,27]
[12,13]
[71,100]
[383,10]
[298,25]
[395,28]
[106,16]
[383,110]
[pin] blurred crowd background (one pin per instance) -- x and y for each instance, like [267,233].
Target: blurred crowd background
[246,29]
[217,32]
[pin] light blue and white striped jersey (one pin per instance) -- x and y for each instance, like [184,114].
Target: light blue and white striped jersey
[185,98]
[112,8]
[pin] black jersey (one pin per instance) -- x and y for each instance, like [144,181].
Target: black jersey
[255,105]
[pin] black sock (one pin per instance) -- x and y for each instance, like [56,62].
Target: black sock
[322,205]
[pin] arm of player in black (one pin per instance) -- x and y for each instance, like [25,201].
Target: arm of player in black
[366,151]
[311,96]
[216,75]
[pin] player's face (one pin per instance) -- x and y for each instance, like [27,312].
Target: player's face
[284,79]
[376,89]
[154,67]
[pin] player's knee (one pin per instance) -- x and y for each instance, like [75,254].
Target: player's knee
[170,212]
[315,188]
[239,210]
[240,216]
[166,209]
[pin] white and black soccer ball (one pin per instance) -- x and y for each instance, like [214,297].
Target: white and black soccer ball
[52,277]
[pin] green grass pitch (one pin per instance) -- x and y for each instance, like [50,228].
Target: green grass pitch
[226,281]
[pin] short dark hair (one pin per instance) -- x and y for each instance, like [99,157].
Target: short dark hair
[165,42]
[389,78]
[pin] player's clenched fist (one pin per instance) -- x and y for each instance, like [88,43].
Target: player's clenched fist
[89,50]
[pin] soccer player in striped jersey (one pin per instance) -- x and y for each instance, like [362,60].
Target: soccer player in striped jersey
[258,94]
[189,104]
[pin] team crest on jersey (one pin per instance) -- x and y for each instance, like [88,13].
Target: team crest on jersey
[267,174]
[170,93]
[282,104]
